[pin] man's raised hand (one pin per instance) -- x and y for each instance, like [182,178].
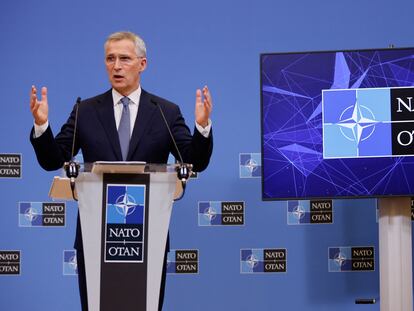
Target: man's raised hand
[203,106]
[39,108]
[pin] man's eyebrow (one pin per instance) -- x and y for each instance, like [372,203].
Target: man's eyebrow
[120,54]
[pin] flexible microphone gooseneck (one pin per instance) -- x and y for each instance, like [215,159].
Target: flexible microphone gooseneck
[183,170]
[72,167]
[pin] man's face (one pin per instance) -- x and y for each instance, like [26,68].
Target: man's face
[124,66]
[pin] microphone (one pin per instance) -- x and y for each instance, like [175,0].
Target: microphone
[183,170]
[72,167]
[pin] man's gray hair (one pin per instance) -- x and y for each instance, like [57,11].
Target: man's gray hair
[140,48]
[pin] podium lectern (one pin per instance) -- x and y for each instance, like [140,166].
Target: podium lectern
[125,210]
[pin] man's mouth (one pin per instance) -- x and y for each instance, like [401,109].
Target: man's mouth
[118,77]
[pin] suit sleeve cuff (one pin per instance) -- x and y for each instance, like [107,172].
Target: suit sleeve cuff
[205,131]
[40,129]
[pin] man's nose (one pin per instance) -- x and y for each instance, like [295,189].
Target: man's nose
[117,63]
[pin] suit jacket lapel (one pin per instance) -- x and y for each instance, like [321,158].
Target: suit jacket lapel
[105,109]
[145,113]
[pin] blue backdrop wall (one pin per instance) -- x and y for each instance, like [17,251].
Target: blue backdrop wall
[190,43]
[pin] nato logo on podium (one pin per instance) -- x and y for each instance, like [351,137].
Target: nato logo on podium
[124,225]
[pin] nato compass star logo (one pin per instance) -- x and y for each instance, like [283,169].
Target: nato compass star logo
[70,262]
[340,259]
[125,205]
[42,214]
[210,213]
[263,260]
[250,165]
[298,212]
[252,261]
[125,223]
[357,123]
[31,214]
[73,263]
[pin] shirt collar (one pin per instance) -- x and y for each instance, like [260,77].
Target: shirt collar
[133,97]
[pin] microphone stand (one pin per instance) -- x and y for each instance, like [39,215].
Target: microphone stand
[183,170]
[72,167]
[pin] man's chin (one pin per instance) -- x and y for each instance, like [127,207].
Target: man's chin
[122,89]
[118,85]
[120,82]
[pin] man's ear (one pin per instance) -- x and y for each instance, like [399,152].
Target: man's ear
[143,64]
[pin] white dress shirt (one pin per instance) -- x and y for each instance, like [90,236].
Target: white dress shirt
[134,98]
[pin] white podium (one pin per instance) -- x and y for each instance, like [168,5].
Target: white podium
[125,210]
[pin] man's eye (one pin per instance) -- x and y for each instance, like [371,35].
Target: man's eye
[125,59]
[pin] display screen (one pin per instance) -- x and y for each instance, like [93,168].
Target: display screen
[337,124]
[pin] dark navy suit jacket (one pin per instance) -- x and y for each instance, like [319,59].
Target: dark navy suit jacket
[97,137]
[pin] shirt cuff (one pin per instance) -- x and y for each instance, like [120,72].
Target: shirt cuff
[205,131]
[40,129]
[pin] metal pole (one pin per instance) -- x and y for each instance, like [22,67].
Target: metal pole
[395,254]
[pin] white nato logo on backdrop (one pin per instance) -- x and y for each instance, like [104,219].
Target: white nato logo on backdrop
[221,213]
[31,214]
[301,212]
[70,262]
[250,165]
[298,212]
[42,214]
[263,260]
[252,261]
[210,213]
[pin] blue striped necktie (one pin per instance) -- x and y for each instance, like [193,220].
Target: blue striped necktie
[124,128]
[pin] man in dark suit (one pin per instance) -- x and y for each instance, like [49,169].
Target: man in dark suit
[101,120]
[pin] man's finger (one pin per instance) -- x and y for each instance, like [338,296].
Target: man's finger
[32,101]
[44,94]
[33,96]
[198,97]
[35,108]
[207,94]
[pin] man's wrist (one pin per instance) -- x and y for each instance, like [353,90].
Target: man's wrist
[204,130]
[40,129]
